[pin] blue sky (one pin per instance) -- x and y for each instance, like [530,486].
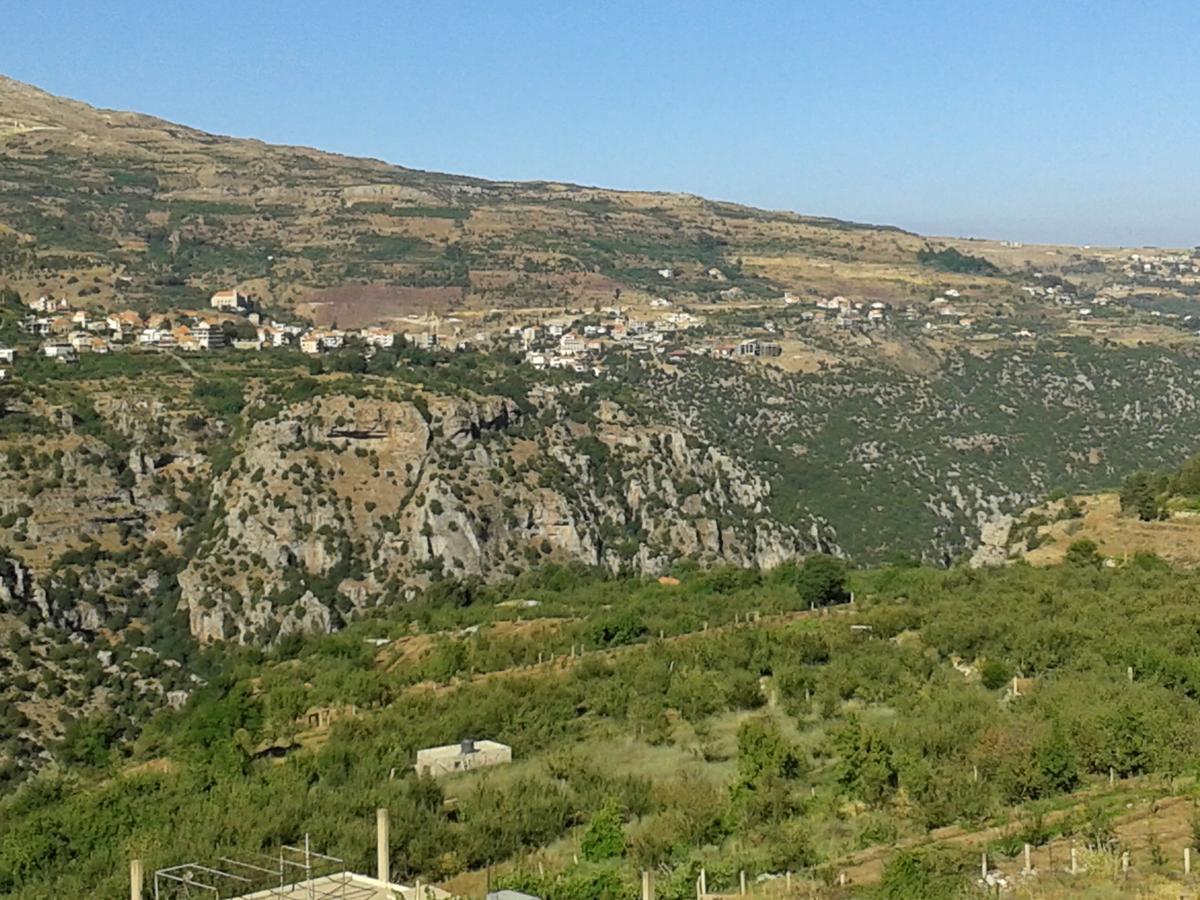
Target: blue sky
[1055,120]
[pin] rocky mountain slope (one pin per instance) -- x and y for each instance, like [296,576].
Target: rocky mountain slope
[145,517]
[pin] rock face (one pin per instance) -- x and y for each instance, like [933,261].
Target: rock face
[993,542]
[340,502]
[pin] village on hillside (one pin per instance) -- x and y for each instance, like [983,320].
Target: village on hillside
[576,340]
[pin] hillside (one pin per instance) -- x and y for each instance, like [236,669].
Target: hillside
[714,719]
[581,470]
[1154,513]
[896,396]
[115,196]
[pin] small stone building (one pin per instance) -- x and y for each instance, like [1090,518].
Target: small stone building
[461,757]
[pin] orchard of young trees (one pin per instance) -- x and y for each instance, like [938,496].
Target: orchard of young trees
[731,727]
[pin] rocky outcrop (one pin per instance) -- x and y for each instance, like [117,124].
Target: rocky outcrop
[993,542]
[340,502]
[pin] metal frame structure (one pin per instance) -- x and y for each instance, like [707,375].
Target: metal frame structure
[297,873]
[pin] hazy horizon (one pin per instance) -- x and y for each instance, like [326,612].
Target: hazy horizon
[1062,126]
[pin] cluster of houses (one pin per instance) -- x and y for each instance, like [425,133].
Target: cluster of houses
[1180,267]
[847,313]
[567,343]
[67,332]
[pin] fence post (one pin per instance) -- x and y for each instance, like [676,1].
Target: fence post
[983,869]
[1074,862]
[1028,870]
[703,884]
[1187,860]
[647,886]
[383,851]
[135,879]
[742,882]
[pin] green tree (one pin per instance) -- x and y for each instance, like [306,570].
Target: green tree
[865,766]
[1140,495]
[1084,552]
[927,875]
[1187,479]
[1057,762]
[995,674]
[763,751]
[604,838]
[822,580]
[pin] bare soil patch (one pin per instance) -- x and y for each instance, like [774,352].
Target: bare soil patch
[359,305]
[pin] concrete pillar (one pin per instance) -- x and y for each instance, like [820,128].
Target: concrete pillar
[1129,672]
[1112,776]
[383,869]
[787,880]
[135,879]
[1028,870]
[1125,862]
[983,869]
[647,886]
[842,879]
[703,884]
[1074,862]
[742,882]
[1187,860]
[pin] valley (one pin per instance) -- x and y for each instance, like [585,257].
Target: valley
[717,516]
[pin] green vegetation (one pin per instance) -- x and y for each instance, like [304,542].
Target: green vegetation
[1153,495]
[722,771]
[948,259]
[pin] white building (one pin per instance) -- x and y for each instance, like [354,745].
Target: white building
[379,337]
[570,344]
[62,351]
[461,757]
[232,300]
[208,336]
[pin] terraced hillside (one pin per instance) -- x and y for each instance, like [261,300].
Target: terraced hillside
[96,194]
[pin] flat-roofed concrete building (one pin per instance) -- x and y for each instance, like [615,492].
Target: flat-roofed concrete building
[461,757]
